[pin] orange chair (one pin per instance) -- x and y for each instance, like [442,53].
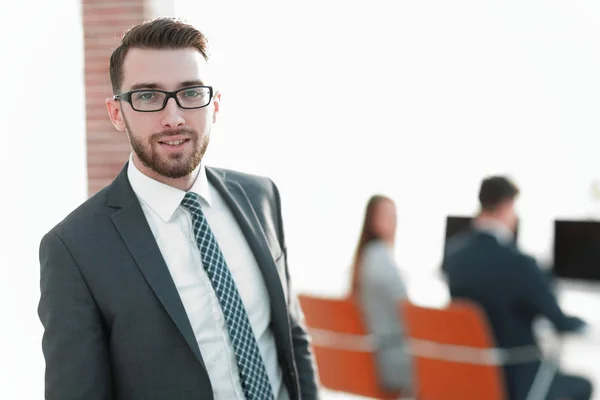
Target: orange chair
[455,356]
[343,350]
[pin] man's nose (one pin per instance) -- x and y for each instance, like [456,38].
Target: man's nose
[172,116]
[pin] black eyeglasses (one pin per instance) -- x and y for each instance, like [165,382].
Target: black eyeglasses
[151,100]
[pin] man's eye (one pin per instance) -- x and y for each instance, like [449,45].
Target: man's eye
[146,96]
[192,93]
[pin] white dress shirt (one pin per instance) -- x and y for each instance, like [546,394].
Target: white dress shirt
[171,225]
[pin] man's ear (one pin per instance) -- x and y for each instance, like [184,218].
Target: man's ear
[217,105]
[116,114]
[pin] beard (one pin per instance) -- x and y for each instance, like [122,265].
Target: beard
[174,165]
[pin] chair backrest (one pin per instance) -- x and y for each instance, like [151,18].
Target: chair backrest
[453,352]
[342,347]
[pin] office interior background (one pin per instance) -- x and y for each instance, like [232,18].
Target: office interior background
[335,101]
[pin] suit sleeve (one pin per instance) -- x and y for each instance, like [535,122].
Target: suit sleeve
[305,362]
[539,299]
[74,342]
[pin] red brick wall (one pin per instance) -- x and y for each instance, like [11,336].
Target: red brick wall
[104,21]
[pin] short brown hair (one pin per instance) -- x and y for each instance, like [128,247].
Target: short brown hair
[494,190]
[159,33]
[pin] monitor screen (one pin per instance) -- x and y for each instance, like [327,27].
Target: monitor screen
[454,226]
[457,224]
[577,250]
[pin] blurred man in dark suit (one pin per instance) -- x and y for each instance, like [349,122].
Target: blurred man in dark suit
[484,266]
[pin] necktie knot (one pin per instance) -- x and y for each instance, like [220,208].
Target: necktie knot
[191,201]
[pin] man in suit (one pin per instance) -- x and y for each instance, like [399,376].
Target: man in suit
[172,282]
[485,266]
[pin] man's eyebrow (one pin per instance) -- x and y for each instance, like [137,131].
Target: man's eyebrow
[153,85]
[146,85]
[196,82]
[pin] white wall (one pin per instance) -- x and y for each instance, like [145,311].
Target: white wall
[42,159]
[337,100]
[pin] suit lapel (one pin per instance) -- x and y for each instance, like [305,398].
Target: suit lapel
[241,207]
[130,221]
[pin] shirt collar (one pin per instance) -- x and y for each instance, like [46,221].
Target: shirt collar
[494,228]
[162,198]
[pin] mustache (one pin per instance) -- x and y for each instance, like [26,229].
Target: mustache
[167,133]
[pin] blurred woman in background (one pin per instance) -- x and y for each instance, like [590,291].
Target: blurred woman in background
[378,288]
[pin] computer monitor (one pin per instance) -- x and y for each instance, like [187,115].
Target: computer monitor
[457,224]
[577,250]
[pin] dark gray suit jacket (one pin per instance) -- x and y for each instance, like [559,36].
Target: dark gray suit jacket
[115,327]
